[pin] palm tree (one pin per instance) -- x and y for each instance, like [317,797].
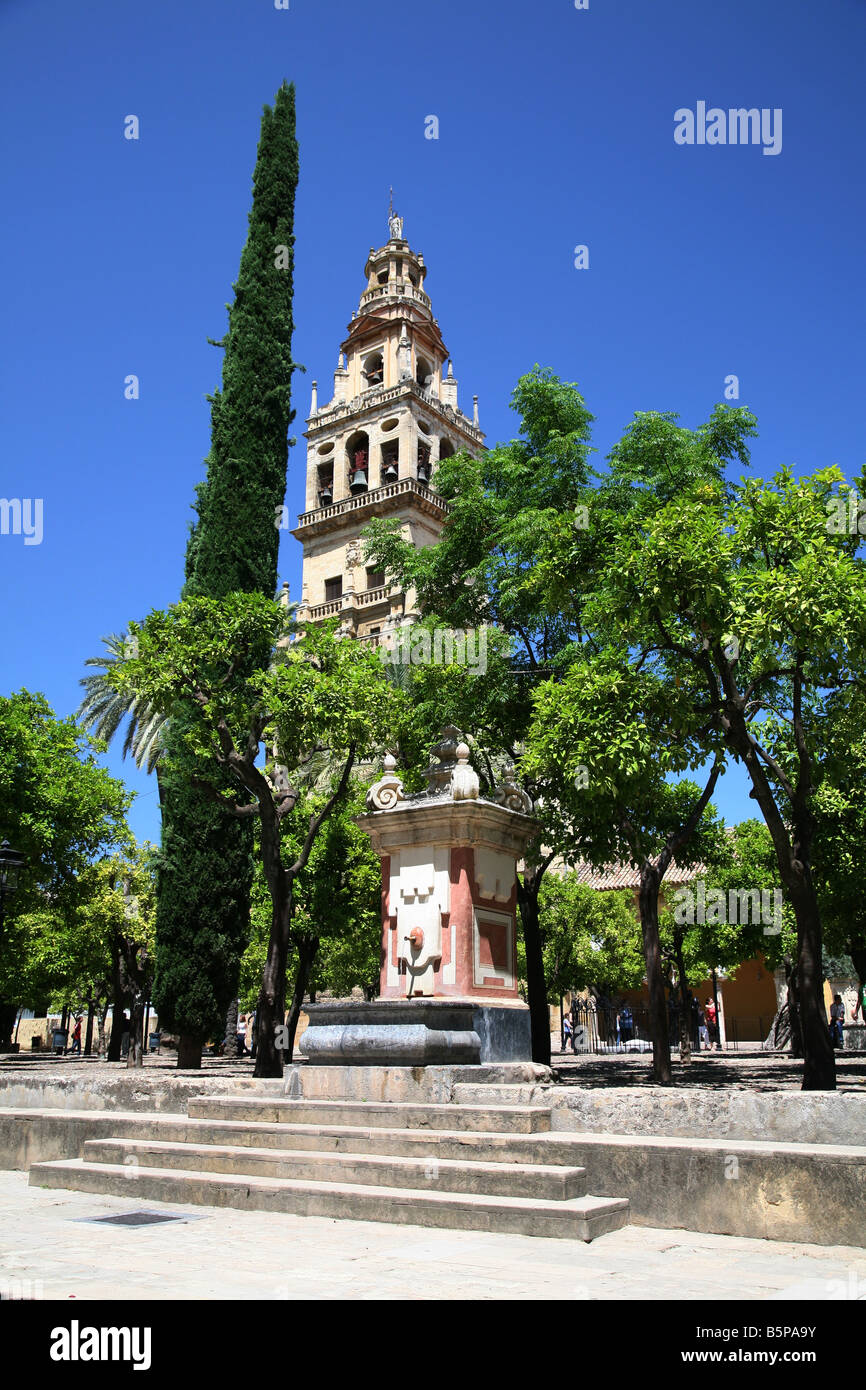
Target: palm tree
[103,709]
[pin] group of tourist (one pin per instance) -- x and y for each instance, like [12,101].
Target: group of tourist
[621,1023]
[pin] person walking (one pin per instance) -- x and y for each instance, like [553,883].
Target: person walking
[567,1034]
[837,1018]
[712,1023]
[242,1035]
[76,1037]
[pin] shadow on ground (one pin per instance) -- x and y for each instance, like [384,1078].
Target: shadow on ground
[715,1071]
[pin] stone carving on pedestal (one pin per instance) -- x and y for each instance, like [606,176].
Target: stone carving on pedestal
[353,554]
[388,791]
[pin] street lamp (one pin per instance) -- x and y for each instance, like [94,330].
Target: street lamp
[11,862]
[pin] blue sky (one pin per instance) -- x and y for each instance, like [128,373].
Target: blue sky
[556,129]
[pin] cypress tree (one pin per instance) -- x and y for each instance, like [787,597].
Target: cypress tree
[202,921]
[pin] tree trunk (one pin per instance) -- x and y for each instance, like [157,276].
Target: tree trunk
[794,1029]
[685,1009]
[307,949]
[116,1034]
[648,899]
[539,1016]
[230,1046]
[88,1037]
[100,1024]
[819,1061]
[271,1008]
[134,1057]
[189,1046]
[118,1003]
[792,842]
[8,1014]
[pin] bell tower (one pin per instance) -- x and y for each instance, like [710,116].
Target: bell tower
[372,450]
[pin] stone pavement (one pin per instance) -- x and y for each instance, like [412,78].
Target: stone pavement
[50,1249]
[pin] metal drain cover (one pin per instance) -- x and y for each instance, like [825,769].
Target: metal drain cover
[133,1218]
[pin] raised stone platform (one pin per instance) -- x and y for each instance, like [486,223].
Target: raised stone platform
[414,1162]
[416,1033]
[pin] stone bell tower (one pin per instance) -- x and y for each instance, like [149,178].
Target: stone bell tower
[372,449]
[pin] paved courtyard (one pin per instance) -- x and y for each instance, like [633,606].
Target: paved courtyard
[51,1249]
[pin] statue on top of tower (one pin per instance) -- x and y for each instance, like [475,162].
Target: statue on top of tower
[395,223]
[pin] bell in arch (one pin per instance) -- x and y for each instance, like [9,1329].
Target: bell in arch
[358,472]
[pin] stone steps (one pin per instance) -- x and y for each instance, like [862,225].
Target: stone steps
[502,1119]
[472,1167]
[63,1133]
[552,1182]
[578,1218]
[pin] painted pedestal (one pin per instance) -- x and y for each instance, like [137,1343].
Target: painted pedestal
[448,989]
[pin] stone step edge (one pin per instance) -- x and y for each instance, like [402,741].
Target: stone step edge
[240,1151]
[851,1152]
[577,1206]
[394,1106]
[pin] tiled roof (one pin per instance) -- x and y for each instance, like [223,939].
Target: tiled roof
[626,875]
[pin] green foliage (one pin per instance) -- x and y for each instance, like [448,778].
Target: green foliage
[747,862]
[57,805]
[840,808]
[235,542]
[206,864]
[589,938]
[196,664]
[338,903]
[103,711]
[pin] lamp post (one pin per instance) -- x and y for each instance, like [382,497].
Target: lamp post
[11,862]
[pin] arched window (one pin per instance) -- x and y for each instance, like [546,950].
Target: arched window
[446,448]
[424,374]
[374,370]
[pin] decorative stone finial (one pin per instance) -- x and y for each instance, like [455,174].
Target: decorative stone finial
[465,785]
[388,791]
[512,796]
[439,774]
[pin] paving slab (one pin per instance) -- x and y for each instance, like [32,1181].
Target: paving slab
[49,1242]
